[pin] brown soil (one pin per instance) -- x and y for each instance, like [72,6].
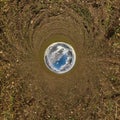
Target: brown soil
[29,91]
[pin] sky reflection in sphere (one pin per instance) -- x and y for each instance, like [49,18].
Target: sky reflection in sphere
[60,57]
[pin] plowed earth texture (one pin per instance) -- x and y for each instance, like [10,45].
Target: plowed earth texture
[29,91]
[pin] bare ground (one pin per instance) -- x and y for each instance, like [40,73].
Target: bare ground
[29,91]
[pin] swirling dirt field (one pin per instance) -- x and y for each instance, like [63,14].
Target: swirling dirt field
[29,91]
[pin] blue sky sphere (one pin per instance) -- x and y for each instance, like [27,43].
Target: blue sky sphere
[59,57]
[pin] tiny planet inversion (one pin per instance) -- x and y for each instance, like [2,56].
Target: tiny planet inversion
[59,57]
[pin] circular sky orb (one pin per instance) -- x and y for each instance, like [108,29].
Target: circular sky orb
[59,57]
